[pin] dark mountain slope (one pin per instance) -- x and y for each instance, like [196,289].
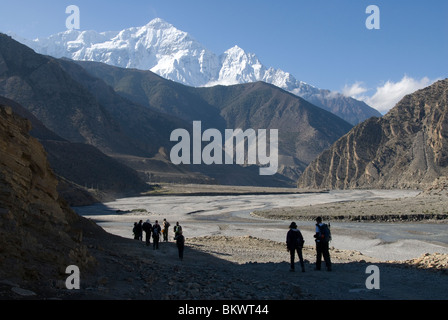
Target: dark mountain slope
[80,164]
[147,128]
[63,105]
[79,111]
[150,90]
[304,129]
[84,110]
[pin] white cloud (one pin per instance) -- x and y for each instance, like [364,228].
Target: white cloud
[354,90]
[385,97]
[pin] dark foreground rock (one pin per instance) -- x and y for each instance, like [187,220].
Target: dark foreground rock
[39,234]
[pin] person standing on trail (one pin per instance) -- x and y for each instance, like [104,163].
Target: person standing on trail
[139,229]
[134,231]
[166,225]
[180,243]
[323,237]
[156,235]
[294,242]
[147,227]
[177,229]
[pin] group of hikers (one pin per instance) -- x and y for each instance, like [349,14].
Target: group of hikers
[155,231]
[295,242]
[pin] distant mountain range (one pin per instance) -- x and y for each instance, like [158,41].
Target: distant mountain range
[406,148]
[111,126]
[175,55]
[129,114]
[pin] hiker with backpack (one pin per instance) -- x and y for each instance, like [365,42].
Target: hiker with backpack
[156,229]
[295,242]
[180,243]
[323,238]
[147,227]
[139,230]
[166,226]
[177,229]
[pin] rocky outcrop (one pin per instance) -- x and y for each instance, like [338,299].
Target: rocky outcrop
[39,234]
[438,188]
[407,148]
[434,262]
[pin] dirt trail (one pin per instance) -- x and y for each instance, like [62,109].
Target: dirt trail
[246,268]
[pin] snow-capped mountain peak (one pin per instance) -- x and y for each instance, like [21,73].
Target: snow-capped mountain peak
[159,23]
[162,48]
[237,66]
[173,54]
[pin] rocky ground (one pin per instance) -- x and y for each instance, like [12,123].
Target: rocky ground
[236,268]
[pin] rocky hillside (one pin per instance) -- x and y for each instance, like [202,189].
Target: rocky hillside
[438,188]
[39,234]
[407,148]
[76,173]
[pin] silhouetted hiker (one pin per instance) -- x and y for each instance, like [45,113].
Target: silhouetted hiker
[180,243]
[177,228]
[134,231]
[323,238]
[147,227]
[166,226]
[139,229]
[156,235]
[294,242]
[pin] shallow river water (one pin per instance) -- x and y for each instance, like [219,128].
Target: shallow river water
[230,215]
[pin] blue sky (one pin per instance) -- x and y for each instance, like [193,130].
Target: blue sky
[322,42]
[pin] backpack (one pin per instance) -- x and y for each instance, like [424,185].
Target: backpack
[147,227]
[155,231]
[325,232]
[300,241]
[294,239]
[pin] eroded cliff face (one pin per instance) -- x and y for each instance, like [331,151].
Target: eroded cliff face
[39,234]
[407,148]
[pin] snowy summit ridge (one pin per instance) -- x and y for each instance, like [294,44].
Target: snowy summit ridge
[175,55]
[166,51]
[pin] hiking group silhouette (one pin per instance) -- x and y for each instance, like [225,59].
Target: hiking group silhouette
[294,240]
[155,231]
